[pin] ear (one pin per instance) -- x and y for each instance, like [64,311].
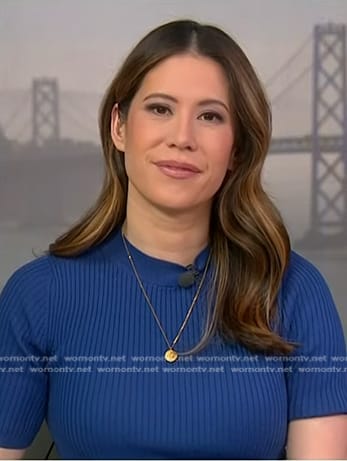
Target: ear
[117,129]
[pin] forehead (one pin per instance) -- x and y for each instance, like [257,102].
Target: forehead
[187,75]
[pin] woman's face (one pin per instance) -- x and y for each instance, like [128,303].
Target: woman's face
[178,135]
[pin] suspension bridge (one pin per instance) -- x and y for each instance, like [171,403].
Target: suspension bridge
[326,143]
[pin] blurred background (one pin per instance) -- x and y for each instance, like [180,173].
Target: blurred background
[56,60]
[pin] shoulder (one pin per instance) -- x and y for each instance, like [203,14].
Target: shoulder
[24,306]
[26,291]
[31,283]
[48,273]
[302,279]
[305,297]
[301,269]
[30,275]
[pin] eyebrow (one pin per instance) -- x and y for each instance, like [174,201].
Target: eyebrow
[204,102]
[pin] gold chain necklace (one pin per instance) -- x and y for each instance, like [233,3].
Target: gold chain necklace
[170,354]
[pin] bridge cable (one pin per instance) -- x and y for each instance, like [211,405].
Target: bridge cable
[290,85]
[289,61]
[18,109]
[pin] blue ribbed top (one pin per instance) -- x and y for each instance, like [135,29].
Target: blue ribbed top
[89,359]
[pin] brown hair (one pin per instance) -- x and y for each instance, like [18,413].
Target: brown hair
[249,242]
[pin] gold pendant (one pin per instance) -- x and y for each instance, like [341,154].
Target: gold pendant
[171,355]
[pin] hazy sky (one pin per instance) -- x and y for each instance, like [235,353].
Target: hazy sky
[82,42]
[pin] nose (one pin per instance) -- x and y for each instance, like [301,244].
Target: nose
[182,133]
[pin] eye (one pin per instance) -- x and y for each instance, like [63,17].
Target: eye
[158,109]
[211,117]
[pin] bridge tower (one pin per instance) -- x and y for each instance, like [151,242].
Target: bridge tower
[45,106]
[46,129]
[329,169]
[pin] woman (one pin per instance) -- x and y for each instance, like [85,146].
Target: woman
[172,321]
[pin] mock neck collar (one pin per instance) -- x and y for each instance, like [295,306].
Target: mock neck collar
[151,270]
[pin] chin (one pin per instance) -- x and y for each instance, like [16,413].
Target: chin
[171,206]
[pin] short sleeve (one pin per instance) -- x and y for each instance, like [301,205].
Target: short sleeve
[23,348]
[317,380]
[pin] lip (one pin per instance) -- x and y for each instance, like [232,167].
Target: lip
[177,170]
[178,166]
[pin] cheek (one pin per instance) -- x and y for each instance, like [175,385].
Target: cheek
[221,152]
[140,140]
[141,134]
[134,137]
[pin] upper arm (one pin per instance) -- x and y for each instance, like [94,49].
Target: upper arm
[12,453]
[23,346]
[318,438]
[317,383]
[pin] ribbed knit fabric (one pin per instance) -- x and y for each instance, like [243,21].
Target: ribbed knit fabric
[128,403]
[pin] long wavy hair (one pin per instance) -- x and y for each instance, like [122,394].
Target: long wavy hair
[249,242]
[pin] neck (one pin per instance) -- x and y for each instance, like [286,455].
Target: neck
[177,238]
